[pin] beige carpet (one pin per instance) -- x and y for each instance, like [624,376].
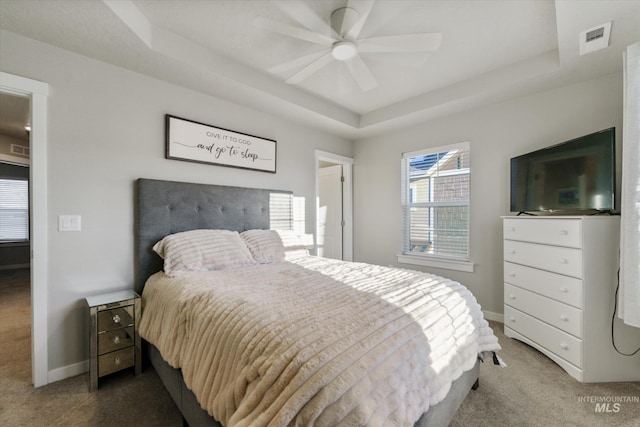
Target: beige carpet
[531,391]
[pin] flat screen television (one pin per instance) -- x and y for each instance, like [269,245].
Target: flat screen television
[575,175]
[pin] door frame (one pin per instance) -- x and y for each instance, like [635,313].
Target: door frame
[37,92]
[347,200]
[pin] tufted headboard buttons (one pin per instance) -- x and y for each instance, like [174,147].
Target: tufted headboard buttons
[167,207]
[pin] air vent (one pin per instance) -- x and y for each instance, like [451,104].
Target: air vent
[594,39]
[20,150]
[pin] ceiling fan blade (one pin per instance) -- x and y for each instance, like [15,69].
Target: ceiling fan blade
[363,8]
[296,63]
[302,13]
[420,42]
[311,68]
[361,73]
[291,31]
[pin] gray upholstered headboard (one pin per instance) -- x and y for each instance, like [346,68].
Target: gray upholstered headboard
[166,207]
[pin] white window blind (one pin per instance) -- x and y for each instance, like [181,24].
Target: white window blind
[435,202]
[14,210]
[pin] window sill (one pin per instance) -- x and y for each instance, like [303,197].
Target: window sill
[13,243]
[448,264]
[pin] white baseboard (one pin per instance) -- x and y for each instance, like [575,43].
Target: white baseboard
[68,371]
[496,317]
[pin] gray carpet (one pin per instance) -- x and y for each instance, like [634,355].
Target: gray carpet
[531,391]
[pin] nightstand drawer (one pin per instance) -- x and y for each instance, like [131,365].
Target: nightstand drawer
[558,232]
[116,339]
[562,316]
[109,320]
[561,343]
[551,258]
[116,361]
[114,342]
[557,286]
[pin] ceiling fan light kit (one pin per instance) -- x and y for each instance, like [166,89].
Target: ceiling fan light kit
[344,50]
[343,45]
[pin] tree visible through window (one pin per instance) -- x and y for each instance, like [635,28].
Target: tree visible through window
[14,210]
[435,202]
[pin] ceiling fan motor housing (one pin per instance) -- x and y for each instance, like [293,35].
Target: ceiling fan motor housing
[343,19]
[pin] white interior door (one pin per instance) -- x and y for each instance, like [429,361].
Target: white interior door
[330,212]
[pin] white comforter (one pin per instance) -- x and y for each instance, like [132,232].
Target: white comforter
[315,340]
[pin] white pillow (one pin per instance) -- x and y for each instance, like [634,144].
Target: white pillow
[269,246]
[203,250]
[265,245]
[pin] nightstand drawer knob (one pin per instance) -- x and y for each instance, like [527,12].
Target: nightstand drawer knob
[116,340]
[512,274]
[564,346]
[564,232]
[513,319]
[564,290]
[512,296]
[564,261]
[116,361]
[116,319]
[565,318]
[513,251]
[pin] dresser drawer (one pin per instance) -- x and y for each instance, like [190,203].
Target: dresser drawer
[564,345]
[562,316]
[115,318]
[558,232]
[115,361]
[557,286]
[114,340]
[566,261]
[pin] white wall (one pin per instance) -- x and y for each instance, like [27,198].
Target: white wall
[106,129]
[496,133]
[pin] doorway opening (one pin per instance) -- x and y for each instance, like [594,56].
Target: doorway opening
[36,92]
[334,206]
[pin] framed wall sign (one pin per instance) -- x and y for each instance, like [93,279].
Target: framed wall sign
[201,143]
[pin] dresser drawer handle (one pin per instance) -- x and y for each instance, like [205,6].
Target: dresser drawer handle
[563,232]
[564,290]
[512,274]
[116,340]
[564,346]
[565,318]
[512,319]
[512,229]
[564,261]
[116,361]
[512,251]
[116,319]
[512,296]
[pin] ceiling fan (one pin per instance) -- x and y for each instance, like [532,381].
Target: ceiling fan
[342,42]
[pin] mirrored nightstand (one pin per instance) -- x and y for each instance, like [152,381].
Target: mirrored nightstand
[114,343]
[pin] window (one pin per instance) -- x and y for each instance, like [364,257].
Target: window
[14,210]
[435,203]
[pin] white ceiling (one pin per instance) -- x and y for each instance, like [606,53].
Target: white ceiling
[490,51]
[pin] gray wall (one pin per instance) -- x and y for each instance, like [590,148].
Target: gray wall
[106,129]
[496,133]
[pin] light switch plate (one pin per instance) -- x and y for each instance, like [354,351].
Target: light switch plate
[69,223]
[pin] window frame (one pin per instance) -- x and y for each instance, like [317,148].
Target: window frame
[462,263]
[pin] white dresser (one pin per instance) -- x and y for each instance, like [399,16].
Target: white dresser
[560,277]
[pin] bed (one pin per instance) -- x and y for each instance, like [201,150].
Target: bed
[251,385]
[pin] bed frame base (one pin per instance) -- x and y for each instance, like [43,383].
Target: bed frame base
[194,416]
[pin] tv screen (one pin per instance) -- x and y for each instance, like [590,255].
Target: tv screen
[572,176]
